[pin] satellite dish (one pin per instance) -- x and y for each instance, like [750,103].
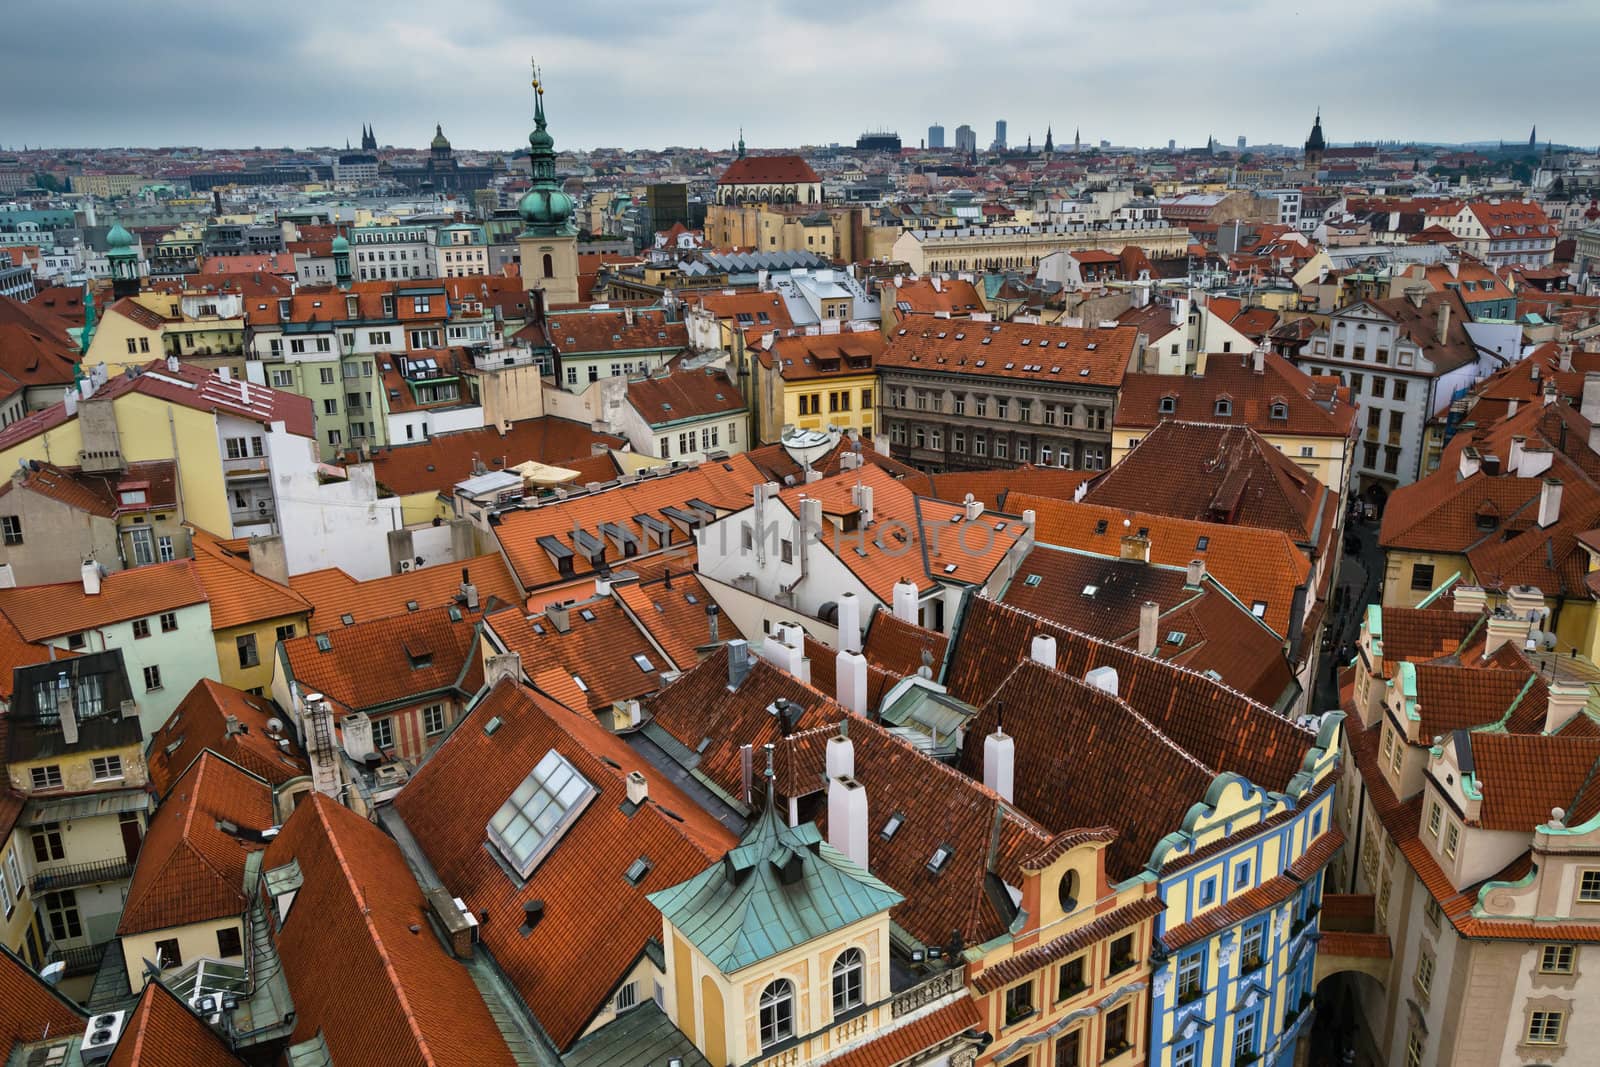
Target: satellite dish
[274,726]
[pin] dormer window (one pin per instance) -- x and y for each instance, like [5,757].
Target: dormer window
[1224,407]
[1169,404]
[1280,411]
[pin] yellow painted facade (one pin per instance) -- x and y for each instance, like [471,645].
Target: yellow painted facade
[721,1013]
[150,428]
[265,631]
[16,903]
[195,941]
[846,401]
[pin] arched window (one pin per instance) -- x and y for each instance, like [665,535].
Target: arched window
[1280,411]
[1224,406]
[549,265]
[777,1013]
[849,970]
[1067,891]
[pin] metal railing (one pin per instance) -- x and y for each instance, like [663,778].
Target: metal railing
[68,876]
[80,959]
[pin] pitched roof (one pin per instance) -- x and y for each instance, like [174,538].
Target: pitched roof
[662,399]
[190,386]
[1308,409]
[200,724]
[956,296]
[1256,565]
[993,488]
[42,611]
[746,308]
[822,355]
[906,1042]
[190,869]
[1523,776]
[1061,355]
[1221,474]
[237,594]
[395,988]
[449,801]
[576,334]
[672,609]
[768,170]
[601,646]
[384,661]
[164,1032]
[778,888]
[16,652]
[101,494]
[333,593]
[31,1010]
[445,459]
[899,646]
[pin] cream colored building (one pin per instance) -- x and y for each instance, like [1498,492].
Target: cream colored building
[1021,247]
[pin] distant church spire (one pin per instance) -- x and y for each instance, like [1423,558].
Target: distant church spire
[741,142]
[1533,138]
[1049,143]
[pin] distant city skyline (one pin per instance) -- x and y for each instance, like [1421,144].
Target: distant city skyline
[301,79]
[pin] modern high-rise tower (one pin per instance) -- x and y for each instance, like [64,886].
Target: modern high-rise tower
[936,136]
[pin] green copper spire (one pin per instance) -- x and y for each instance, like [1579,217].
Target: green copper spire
[86,334]
[545,209]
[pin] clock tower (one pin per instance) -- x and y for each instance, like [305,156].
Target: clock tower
[548,244]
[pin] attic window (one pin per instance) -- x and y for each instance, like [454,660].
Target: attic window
[577,680]
[411,605]
[1090,590]
[1176,637]
[1224,406]
[323,644]
[1280,411]
[586,615]
[1202,544]
[892,827]
[1169,404]
[420,660]
[348,619]
[538,812]
[1032,581]
[1259,609]
[940,859]
[949,568]
[1100,527]
[643,662]
[637,870]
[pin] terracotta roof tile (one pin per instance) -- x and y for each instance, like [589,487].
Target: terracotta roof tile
[333,593]
[1146,398]
[587,333]
[42,611]
[190,870]
[1268,894]
[600,647]
[394,989]
[16,652]
[672,610]
[30,1010]
[1524,776]
[238,595]
[1038,958]
[449,801]
[764,311]
[445,459]
[960,346]
[957,296]
[200,724]
[694,394]
[903,1044]
[899,646]
[994,488]
[827,355]
[768,170]
[163,1032]
[385,661]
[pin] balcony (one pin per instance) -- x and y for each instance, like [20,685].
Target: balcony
[80,959]
[73,875]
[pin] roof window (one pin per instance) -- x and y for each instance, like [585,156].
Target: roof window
[539,811]
[323,643]
[940,859]
[642,661]
[1032,581]
[892,827]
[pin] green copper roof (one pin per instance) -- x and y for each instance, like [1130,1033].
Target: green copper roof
[779,888]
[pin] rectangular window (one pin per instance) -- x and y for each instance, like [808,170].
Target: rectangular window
[286,632]
[62,910]
[1424,977]
[1244,1038]
[169,621]
[1208,891]
[152,678]
[1069,981]
[106,768]
[383,733]
[168,955]
[1544,1027]
[433,719]
[228,942]
[164,550]
[330,406]
[1433,913]
[1452,838]
[235,447]
[1556,959]
[46,777]
[1250,948]
[5,895]
[141,628]
[1435,817]
[11,527]
[1121,955]
[246,646]
[1191,975]
[1019,1003]
[1117,1032]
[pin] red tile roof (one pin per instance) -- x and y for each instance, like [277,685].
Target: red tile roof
[824,355]
[664,399]
[1309,411]
[238,595]
[768,170]
[43,611]
[957,347]
[587,333]
[332,593]
[956,296]
[386,661]
[903,1044]
[200,724]
[445,459]
[190,870]
[672,609]
[99,494]
[600,650]
[30,1010]
[993,488]
[163,1032]
[449,801]
[763,311]
[16,652]
[900,647]
[1524,776]
[395,987]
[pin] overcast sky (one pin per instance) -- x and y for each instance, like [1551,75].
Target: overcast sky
[651,73]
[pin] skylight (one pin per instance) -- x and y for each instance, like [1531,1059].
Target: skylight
[637,870]
[643,662]
[892,826]
[1090,590]
[323,643]
[548,801]
[1032,581]
[1259,609]
[940,858]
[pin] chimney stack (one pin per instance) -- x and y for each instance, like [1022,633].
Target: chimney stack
[638,788]
[1444,322]
[849,622]
[1196,573]
[91,578]
[738,662]
[850,682]
[905,602]
[712,611]
[1103,679]
[1043,651]
[1258,359]
[972,508]
[1564,701]
[1149,613]
[1549,502]
[847,818]
[840,756]
[999,761]
[1589,406]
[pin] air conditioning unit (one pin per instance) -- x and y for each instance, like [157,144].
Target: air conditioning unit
[100,1037]
[405,565]
[263,506]
[208,1006]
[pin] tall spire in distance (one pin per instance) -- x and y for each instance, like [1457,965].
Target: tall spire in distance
[741,142]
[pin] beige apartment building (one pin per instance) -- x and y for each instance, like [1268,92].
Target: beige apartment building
[1021,247]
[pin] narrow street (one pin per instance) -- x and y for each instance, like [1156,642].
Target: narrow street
[1356,587]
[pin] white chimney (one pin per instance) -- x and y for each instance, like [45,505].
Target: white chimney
[1470,463]
[1196,573]
[999,763]
[972,507]
[1514,459]
[840,755]
[810,520]
[849,622]
[1149,613]
[638,788]
[850,682]
[905,602]
[1029,518]
[1043,651]
[91,578]
[1549,502]
[1589,406]
[865,504]
[1564,701]
[1103,679]
[602,585]
[356,730]
[847,818]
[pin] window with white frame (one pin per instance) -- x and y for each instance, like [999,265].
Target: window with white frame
[776,1010]
[849,973]
[106,768]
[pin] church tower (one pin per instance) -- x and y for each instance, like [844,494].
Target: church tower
[124,262]
[1315,145]
[548,244]
[1049,144]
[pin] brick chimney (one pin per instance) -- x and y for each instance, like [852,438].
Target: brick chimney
[1149,614]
